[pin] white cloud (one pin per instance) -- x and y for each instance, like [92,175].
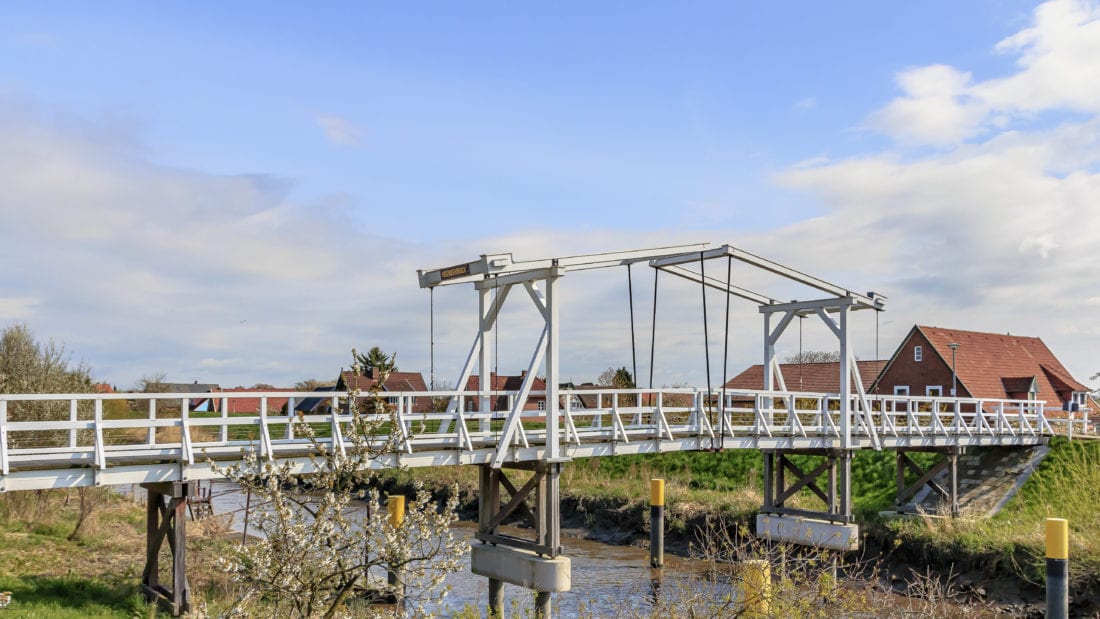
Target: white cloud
[943,106]
[997,234]
[338,130]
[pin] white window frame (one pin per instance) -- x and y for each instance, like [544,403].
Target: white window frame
[542,405]
[937,388]
[901,390]
[918,354]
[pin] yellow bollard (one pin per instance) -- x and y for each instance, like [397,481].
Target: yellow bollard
[756,579]
[395,505]
[1057,530]
[656,523]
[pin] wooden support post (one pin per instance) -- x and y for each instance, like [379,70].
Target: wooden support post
[167,522]
[844,510]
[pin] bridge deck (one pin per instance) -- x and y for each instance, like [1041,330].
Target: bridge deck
[105,439]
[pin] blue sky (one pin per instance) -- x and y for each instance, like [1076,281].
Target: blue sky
[194,166]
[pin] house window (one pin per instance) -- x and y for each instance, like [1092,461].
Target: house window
[901,390]
[918,353]
[542,405]
[933,391]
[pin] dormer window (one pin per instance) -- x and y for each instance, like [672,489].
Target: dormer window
[918,353]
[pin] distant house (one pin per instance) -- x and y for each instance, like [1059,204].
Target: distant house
[397,381]
[195,387]
[507,383]
[322,403]
[823,377]
[580,401]
[237,404]
[987,365]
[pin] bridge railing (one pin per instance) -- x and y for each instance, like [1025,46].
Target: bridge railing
[43,430]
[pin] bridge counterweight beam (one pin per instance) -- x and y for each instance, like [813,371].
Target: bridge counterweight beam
[167,522]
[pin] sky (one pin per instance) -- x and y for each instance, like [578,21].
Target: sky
[241,193]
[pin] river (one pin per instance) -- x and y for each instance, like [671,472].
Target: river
[608,580]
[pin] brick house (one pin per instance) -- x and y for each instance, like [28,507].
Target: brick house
[987,365]
[536,401]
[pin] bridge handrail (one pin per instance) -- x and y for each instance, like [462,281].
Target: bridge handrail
[668,413]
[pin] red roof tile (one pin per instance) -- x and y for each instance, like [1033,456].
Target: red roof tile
[247,404]
[397,381]
[809,377]
[989,364]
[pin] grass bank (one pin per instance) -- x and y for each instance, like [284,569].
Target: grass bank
[96,573]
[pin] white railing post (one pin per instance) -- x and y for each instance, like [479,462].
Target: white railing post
[290,406]
[265,434]
[185,431]
[72,419]
[4,437]
[151,436]
[100,452]
[223,434]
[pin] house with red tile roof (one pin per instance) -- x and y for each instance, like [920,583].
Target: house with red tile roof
[237,404]
[536,401]
[987,365]
[396,381]
[821,377]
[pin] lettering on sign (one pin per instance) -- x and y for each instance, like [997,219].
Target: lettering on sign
[453,272]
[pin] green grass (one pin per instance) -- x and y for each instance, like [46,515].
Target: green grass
[98,573]
[1066,485]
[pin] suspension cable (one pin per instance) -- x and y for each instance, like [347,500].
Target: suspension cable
[653,334]
[633,346]
[706,334]
[431,336]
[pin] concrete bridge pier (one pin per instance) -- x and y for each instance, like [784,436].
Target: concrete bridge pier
[166,520]
[505,557]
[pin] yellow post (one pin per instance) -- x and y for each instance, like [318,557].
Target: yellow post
[756,579]
[395,505]
[656,523]
[1057,538]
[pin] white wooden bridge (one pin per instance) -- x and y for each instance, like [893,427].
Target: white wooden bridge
[129,438]
[157,440]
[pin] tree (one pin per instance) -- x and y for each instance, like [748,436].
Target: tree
[814,356]
[617,379]
[30,366]
[314,556]
[375,359]
[312,384]
[152,383]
